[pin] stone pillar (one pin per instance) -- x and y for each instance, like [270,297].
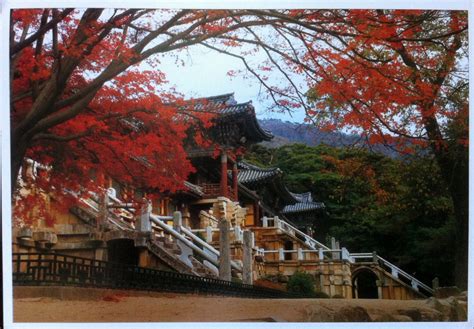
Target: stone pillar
[281,254]
[247,258]
[379,288]
[333,247]
[177,221]
[224,248]
[276,222]
[300,254]
[375,259]
[238,233]
[338,254]
[143,224]
[103,211]
[235,183]
[223,174]
[320,254]
[209,234]
[435,283]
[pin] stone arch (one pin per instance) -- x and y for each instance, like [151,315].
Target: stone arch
[365,283]
[122,251]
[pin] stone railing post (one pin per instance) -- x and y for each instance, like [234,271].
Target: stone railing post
[338,253]
[224,246]
[276,222]
[265,221]
[435,283]
[238,233]
[394,272]
[143,223]
[247,270]
[300,254]
[177,221]
[103,210]
[344,253]
[209,234]
[320,254]
[281,254]
[375,258]
[333,247]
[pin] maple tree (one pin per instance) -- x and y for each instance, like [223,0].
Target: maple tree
[81,106]
[397,77]
[401,78]
[81,101]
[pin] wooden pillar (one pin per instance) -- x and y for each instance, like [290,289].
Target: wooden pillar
[256,214]
[224,174]
[235,183]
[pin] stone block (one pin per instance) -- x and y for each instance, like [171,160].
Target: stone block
[44,236]
[25,233]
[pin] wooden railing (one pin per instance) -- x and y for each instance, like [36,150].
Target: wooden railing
[35,269]
[214,191]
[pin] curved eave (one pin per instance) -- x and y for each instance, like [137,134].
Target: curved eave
[256,177]
[244,113]
[260,133]
[303,207]
[283,191]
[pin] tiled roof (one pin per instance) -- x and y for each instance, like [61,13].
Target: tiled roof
[229,110]
[302,207]
[252,174]
[303,197]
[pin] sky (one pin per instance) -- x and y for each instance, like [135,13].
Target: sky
[203,73]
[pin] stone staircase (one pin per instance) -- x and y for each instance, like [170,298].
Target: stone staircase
[335,253]
[169,248]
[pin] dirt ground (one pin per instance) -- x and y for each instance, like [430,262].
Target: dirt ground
[192,308]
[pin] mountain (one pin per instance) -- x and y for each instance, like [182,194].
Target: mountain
[286,132]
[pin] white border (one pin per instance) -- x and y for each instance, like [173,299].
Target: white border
[5,7]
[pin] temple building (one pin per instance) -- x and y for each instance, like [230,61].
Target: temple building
[271,232]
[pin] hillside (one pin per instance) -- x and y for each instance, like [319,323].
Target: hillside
[289,133]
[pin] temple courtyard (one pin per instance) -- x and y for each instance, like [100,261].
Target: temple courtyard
[66,304]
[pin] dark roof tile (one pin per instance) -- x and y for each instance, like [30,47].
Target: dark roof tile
[302,207]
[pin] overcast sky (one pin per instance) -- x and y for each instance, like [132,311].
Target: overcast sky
[204,73]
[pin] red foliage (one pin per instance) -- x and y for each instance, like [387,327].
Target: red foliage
[129,131]
[388,73]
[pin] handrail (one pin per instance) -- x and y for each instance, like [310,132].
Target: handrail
[306,236]
[405,274]
[159,220]
[395,270]
[188,243]
[204,244]
[279,223]
[168,229]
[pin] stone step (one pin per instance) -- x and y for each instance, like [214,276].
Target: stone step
[171,247]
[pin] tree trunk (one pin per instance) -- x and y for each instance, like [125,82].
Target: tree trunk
[454,165]
[18,151]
